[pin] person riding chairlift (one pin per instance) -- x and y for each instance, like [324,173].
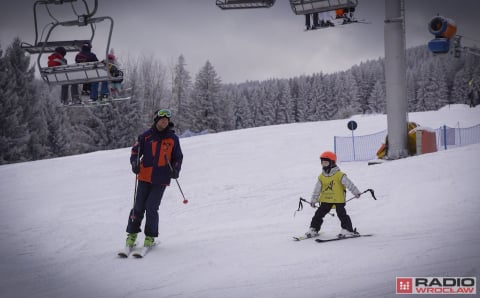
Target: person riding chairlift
[346,14]
[115,84]
[86,55]
[58,59]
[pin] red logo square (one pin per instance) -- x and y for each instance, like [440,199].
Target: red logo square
[404,285]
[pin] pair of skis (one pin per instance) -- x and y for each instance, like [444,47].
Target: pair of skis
[336,238]
[127,251]
[145,250]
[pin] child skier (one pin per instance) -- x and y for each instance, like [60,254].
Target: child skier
[330,191]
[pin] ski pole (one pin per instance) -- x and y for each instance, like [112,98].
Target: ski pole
[185,201]
[368,190]
[132,214]
[300,206]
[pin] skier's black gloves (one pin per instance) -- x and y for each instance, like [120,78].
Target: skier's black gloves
[135,167]
[174,174]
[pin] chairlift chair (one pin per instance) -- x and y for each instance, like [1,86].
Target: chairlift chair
[302,7]
[79,73]
[240,4]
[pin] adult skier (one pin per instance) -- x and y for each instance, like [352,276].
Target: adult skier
[155,158]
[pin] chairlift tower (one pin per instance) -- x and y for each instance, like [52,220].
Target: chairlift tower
[395,78]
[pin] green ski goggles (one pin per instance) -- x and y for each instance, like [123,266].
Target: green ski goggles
[164,113]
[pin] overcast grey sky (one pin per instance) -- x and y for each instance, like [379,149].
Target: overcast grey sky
[254,44]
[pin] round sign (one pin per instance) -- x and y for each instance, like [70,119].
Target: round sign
[352,125]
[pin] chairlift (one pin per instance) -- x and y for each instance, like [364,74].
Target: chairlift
[240,4]
[78,73]
[302,7]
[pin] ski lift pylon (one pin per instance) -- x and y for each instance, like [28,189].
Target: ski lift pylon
[72,73]
[239,4]
[302,7]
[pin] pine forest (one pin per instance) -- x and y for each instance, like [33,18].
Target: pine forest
[34,125]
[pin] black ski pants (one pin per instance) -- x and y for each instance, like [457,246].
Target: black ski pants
[324,208]
[147,201]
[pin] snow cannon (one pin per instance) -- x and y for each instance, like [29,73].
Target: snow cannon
[444,29]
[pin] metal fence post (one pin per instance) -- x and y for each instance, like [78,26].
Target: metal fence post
[445,136]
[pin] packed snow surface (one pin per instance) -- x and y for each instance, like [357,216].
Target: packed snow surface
[63,220]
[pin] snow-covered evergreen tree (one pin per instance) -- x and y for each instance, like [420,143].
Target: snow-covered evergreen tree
[206,100]
[242,110]
[320,99]
[256,101]
[432,90]
[181,91]
[285,110]
[15,77]
[365,78]
[466,83]
[227,109]
[298,102]
[269,103]
[412,88]
[377,98]
[60,133]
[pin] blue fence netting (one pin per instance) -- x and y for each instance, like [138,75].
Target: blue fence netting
[361,148]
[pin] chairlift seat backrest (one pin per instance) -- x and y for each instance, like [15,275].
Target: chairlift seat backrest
[50,46]
[301,7]
[239,4]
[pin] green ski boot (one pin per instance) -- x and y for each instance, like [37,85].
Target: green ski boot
[149,241]
[131,238]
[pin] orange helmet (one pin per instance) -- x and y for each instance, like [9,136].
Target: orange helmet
[329,155]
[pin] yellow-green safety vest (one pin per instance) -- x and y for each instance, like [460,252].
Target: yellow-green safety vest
[333,191]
